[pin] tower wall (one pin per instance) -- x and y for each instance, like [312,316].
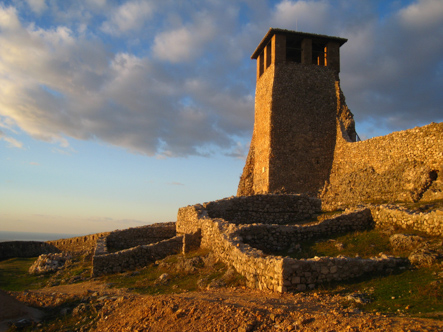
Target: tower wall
[298,103]
[303,122]
[262,131]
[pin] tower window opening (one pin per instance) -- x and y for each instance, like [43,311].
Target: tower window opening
[261,64]
[268,57]
[319,54]
[293,50]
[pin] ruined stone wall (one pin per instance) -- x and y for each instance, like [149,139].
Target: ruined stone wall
[12,249]
[130,259]
[135,236]
[302,274]
[219,236]
[386,216]
[402,166]
[79,243]
[271,238]
[277,209]
[230,244]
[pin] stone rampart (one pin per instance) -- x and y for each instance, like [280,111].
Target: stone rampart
[130,259]
[403,166]
[12,249]
[132,237]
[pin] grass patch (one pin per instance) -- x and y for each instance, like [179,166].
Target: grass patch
[319,217]
[365,244]
[146,280]
[14,275]
[415,292]
[425,206]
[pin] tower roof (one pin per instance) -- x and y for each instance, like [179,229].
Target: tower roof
[294,34]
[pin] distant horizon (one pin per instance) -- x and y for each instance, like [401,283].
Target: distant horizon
[7,236]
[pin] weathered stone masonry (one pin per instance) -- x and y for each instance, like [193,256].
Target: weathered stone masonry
[137,247]
[243,245]
[402,166]
[297,103]
[304,138]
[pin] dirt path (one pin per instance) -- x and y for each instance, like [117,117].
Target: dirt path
[224,309]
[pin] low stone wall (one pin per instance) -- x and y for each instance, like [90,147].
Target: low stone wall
[79,243]
[388,215]
[221,237]
[12,249]
[130,259]
[278,237]
[302,274]
[132,237]
[267,209]
[275,273]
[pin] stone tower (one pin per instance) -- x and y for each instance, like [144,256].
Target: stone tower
[299,108]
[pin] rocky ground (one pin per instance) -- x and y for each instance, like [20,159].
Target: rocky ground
[94,306]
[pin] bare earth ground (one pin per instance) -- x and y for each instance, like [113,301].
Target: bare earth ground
[222,309]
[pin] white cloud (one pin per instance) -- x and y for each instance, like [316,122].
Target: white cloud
[130,16]
[13,143]
[57,83]
[422,14]
[309,16]
[8,18]
[185,43]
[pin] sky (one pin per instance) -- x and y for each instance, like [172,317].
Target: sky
[114,114]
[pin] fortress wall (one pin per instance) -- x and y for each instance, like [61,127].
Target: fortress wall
[135,236]
[402,166]
[130,259]
[387,216]
[12,249]
[276,209]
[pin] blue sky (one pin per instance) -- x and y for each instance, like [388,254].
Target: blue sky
[114,114]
